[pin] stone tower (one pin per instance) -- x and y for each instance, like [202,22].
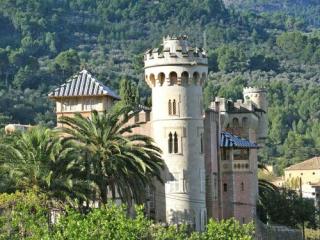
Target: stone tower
[175,72]
[258,96]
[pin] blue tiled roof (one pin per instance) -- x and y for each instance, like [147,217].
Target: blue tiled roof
[83,84]
[228,140]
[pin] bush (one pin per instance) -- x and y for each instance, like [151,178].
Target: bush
[26,216]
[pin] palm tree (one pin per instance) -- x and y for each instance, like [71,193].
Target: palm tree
[115,159]
[266,189]
[37,159]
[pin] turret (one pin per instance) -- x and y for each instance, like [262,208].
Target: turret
[175,62]
[258,96]
[175,72]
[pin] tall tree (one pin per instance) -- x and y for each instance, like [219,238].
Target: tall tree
[116,159]
[38,159]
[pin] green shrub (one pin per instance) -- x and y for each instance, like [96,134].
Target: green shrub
[26,216]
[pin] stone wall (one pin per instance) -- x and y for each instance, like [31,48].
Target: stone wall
[272,232]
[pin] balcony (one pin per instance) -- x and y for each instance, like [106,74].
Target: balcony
[235,166]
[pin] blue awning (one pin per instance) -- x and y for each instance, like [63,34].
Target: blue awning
[228,140]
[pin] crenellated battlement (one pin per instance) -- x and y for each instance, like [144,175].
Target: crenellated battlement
[254,90]
[176,62]
[175,50]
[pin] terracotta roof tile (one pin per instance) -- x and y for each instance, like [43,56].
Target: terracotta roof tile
[310,164]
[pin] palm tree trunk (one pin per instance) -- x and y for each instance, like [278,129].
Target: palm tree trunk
[104,195]
[113,191]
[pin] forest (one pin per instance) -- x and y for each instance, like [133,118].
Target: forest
[42,43]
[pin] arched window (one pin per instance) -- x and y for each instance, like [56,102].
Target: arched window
[175,142]
[242,186]
[152,80]
[196,77]
[161,78]
[184,78]
[245,122]
[170,143]
[225,187]
[174,107]
[173,78]
[235,122]
[203,78]
[201,142]
[169,107]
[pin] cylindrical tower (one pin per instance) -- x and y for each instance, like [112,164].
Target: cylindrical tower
[175,72]
[258,96]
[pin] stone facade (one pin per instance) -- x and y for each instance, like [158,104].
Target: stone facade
[175,74]
[202,177]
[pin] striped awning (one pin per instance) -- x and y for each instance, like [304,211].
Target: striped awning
[228,140]
[83,84]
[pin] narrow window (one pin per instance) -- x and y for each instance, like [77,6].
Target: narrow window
[235,122]
[174,107]
[225,154]
[175,183]
[202,180]
[225,187]
[170,143]
[175,143]
[169,107]
[201,142]
[242,186]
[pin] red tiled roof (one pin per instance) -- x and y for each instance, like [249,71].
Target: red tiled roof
[310,164]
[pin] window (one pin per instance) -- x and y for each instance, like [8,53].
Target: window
[245,122]
[152,80]
[184,78]
[301,174]
[161,78]
[201,143]
[203,78]
[235,122]
[170,143]
[196,77]
[242,186]
[174,107]
[87,105]
[225,187]
[243,220]
[241,154]
[176,183]
[225,154]
[175,143]
[313,173]
[70,105]
[173,78]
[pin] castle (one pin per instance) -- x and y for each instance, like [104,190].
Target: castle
[210,156]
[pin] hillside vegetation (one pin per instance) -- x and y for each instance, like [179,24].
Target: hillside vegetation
[42,43]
